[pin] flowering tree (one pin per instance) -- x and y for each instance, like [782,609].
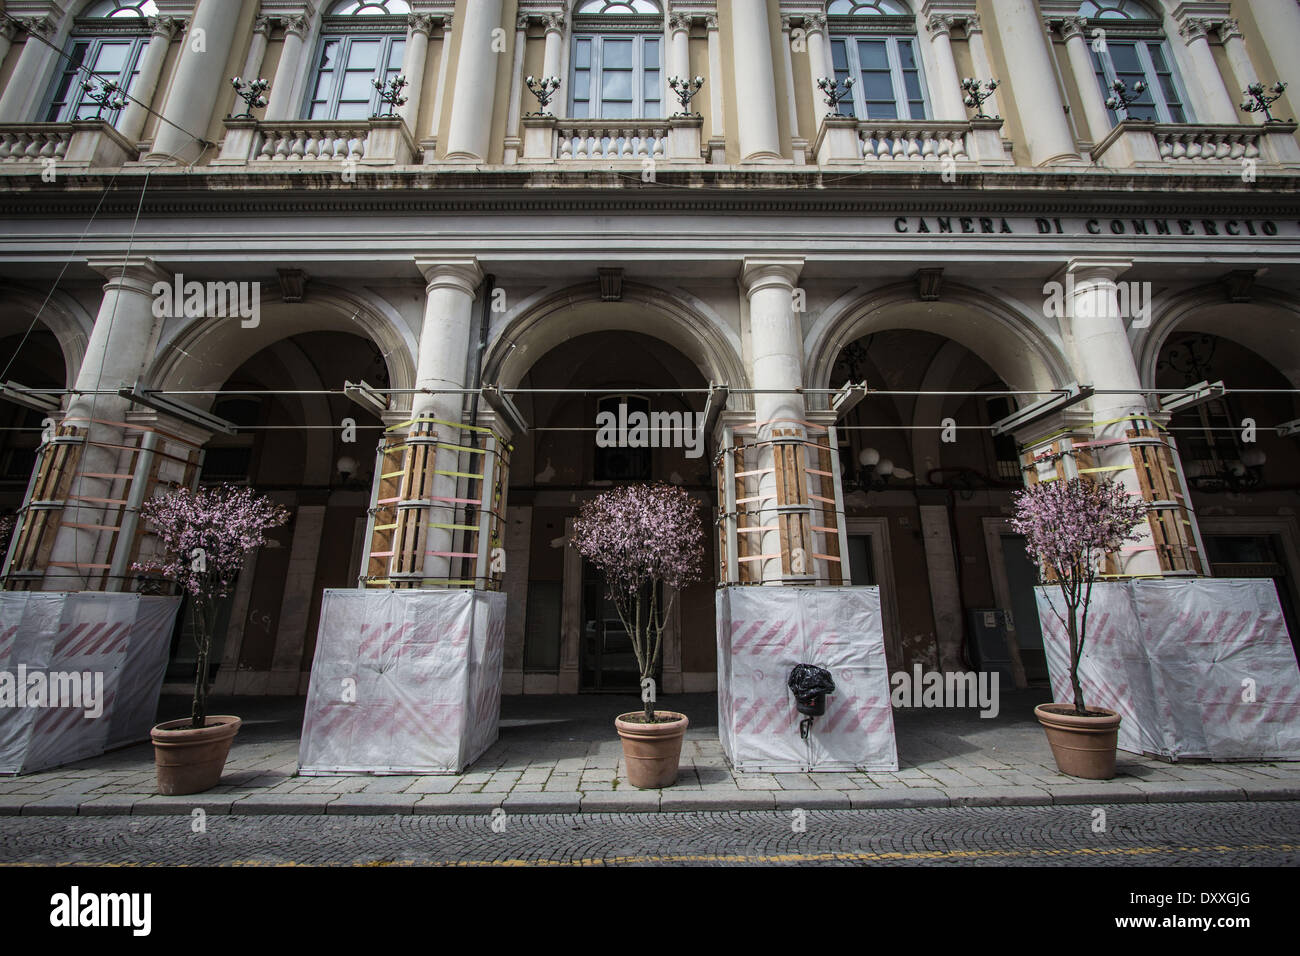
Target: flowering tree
[205,536]
[641,537]
[1069,528]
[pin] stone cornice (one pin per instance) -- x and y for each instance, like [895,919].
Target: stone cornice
[415,191]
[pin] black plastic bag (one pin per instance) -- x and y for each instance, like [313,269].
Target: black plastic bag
[810,684]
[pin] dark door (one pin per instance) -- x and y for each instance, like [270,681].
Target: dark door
[1021,578]
[607,663]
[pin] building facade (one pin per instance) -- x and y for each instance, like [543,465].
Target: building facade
[1032,283]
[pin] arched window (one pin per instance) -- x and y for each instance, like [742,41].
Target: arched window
[1135,50]
[616,65]
[873,42]
[104,47]
[362,41]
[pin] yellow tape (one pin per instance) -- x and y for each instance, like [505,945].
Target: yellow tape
[1082,425]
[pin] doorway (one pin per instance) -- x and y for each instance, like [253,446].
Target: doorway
[606,662]
[1022,621]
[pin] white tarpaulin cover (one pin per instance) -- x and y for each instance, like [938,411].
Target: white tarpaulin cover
[404,681]
[762,633]
[1195,668]
[123,637]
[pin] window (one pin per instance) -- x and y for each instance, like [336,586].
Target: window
[617,463]
[362,43]
[1135,51]
[616,67]
[105,47]
[874,44]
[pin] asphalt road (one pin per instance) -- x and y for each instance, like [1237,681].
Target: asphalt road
[1207,834]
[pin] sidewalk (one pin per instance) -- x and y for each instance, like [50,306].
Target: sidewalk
[561,755]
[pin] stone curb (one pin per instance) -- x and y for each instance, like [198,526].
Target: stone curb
[643,801]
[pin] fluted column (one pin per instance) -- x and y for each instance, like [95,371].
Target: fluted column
[1102,349]
[945,90]
[418,27]
[280,105]
[197,83]
[131,123]
[1243,71]
[444,343]
[1033,88]
[797,143]
[474,90]
[1215,106]
[776,362]
[1074,29]
[759,131]
[819,61]
[257,48]
[17,101]
[979,55]
[551,57]
[119,349]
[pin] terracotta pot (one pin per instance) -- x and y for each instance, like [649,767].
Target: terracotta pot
[1083,746]
[652,751]
[190,760]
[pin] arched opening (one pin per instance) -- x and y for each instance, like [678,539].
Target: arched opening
[35,360]
[566,640]
[927,491]
[292,443]
[1243,474]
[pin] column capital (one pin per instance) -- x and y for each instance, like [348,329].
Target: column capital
[137,272]
[457,272]
[8,30]
[972,24]
[299,26]
[522,20]
[785,22]
[1229,29]
[419,23]
[814,22]
[41,26]
[711,22]
[261,24]
[760,273]
[448,22]
[1074,28]
[678,21]
[1084,268]
[940,24]
[553,23]
[1193,29]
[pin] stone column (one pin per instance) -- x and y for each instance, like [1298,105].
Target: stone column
[439,92]
[759,132]
[1032,84]
[131,123]
[280,105]
[679,56]
[470,129]
[198,81]
[17,103]
[296,602]
[776,362]
[418,27]
[945,88]
[257,48]
[7,32]
[121,343]
[1278,25]
[444,344]
[980,58]
[513,109]
[717,116]
[551,57]
[798,144]
[1243,71]
[819,61]
[1107,364]
[1075,29]
[1216,105]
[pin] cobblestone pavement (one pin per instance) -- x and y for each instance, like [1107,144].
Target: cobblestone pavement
[561,755]
[1225,834]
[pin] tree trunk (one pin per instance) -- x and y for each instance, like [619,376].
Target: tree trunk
[203,638]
